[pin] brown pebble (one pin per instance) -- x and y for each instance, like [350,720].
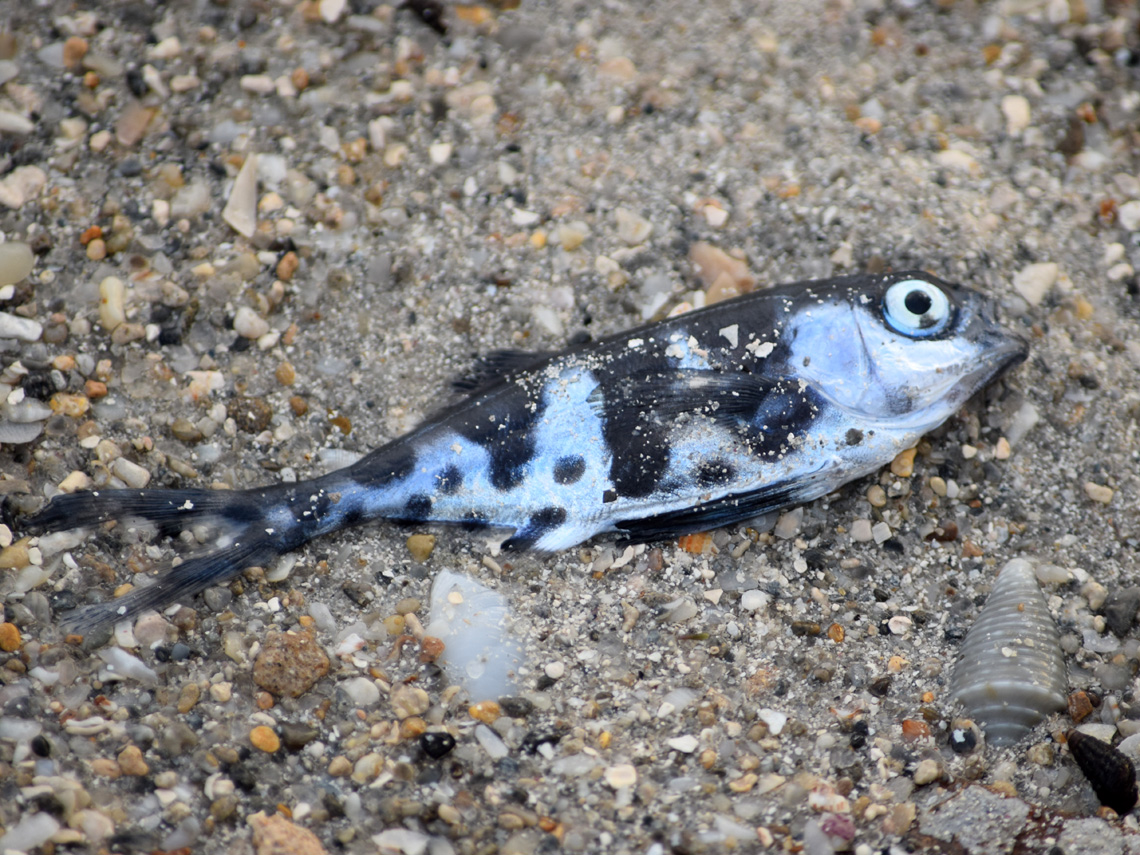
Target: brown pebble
[70,405]
[89,234]
[186,431]
[836,633]
[188,697]
[264,701]
[487,712]
[409,700]
[287,266]
[420,546]
[223,807]
[252,415]
[299,78]
[131,761]
[275,835]
[286,374]
[74,49]
[264,739]
[913,729]
[431,648]
[340,767]
[289,664]
[298,405]
[412,727]
[94,389]
[1080,706]
[9,637]
[903,464]
[105,767]
[805,628]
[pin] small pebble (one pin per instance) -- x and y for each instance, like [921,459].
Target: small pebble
[927,772]
[276,835]
[241,207]
[21,329]
[881,532]
[9,637]
[112,307]
[289,664]
[131,761]
[265,739]
[1128,215]
[903,464]
[621,775]
[249,324]
[487,712]
[16,262]
[1098,492]
[363,692]
[129,473]
[632,228]
[420,547]
[861,531]
[1034,281]
[1017,114]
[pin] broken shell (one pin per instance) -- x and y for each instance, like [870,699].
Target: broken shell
[1111,773]
[1010,672]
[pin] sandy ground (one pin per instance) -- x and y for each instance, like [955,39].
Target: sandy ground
[530,175]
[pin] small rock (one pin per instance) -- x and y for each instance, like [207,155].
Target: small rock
[621,775]
[16,262]
[363,692]
[408,701]
[131,761]
[289,664]
[420,547]
[112,303]
[1128,215]
[1098,492]
[21,185]
[632,228]
[1120,610]
[1034,281]
[1017,114]
[685,744]
[487,712]
[788,525]
[754,600]
[249,324]
[32,831]
[861,531]
[881,532]
[265,739]
[130,473]
[927,772]
[9,637]
[275,835]
[21,329]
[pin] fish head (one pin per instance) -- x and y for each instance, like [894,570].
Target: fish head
[907,347]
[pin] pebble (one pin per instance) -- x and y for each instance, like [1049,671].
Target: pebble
[491,743]
[754,600]
[861,531]
[363,692]
[632,228]
[487,712]
[289,664]
[927,772]
[129,473]
[1098,492]
[621,775]
[1017,114]
[265,739]
[21,185]
[190,200]
[1128,215]
[1034,281]
[420,547]
[10,640]
[112,305]
[774,719]
[249,324]
[16,262]
[685,744]
[131,762]
[408,701]
[276,835]
[21,329]
[32,831]
[881,532]
[903,464]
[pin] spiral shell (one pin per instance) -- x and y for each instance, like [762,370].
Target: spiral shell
[1112,775]
[1010,672]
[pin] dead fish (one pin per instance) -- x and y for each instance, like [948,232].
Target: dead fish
[698,421]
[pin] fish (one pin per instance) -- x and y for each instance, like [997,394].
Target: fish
[701,420]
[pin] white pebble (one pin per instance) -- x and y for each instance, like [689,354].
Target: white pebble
[1016,110]
[632,229]
[621,775]
[1034,281]
[130,473]
[788,525]
[23,329]
[861,531]
[363,693]
[775,720]
[899,625]
[1128,215]
[754,600]
[554,670]
[32,831]
[16,262]
[881,532]
[331,10]
[439,153]
[112,303]
[685,744]
[21,185]
[494,746]
[249,324]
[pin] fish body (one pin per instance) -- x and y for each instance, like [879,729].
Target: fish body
[698,421]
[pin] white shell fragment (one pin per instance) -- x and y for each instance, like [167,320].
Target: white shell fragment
[473,621]
[241,208]
[1011,672]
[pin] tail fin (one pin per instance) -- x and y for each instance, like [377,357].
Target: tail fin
[187,579]
[171,510]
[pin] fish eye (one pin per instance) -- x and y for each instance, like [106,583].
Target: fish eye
[916,308]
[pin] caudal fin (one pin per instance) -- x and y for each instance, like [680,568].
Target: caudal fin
[170,510]
[190,577]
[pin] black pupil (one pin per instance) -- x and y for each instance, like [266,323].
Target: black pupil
[918,303]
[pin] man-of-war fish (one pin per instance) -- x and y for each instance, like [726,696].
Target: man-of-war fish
[698,421]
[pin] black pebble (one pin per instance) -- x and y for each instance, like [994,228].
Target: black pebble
[436,744]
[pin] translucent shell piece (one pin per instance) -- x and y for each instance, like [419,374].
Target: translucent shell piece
[1010,672]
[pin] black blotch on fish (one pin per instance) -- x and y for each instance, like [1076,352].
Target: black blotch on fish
[569,469]
[417,508]
[383,466]
[498,367]
[539,524]
[506,429]
[854,436]
[1111,773]
[449,480]
[711,473]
